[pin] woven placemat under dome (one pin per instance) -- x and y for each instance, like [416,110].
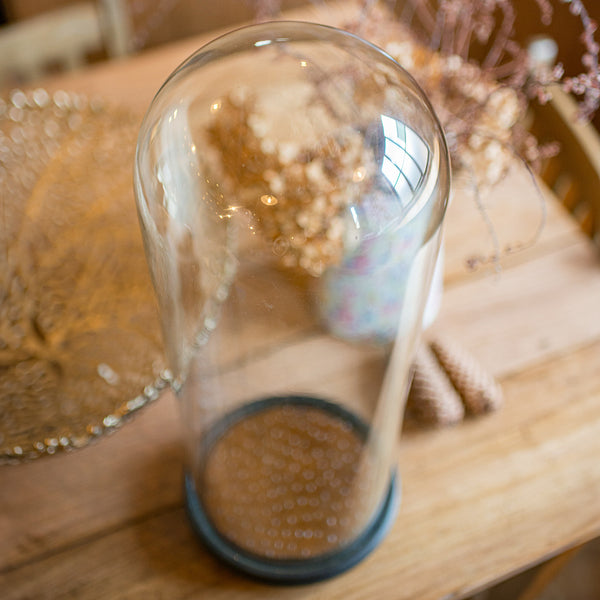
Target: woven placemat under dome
[80,345]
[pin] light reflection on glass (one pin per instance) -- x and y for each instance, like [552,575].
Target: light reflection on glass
[405,158]
[269,200]
[355,217]
[359,174]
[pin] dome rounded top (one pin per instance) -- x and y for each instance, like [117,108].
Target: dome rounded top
[304,134]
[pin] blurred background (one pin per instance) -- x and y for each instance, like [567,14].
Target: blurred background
[147,22]
[38,37]
[152,22]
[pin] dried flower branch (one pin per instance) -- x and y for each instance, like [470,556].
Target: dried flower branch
[451,27]
[466,55]
[479,102]
[480,79]
[458,27]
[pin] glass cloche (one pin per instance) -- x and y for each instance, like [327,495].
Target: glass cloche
[291,181]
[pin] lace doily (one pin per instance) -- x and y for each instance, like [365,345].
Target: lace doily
[80,345]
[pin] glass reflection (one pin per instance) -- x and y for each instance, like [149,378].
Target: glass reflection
[405,158]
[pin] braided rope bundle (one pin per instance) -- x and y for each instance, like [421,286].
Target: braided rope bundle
[449,384]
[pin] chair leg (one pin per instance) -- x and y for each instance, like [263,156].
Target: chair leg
[547,573]
[116,27]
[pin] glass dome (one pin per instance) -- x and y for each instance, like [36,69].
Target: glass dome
[291,181]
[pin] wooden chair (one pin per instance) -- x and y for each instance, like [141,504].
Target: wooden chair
[574,177]
[63,39]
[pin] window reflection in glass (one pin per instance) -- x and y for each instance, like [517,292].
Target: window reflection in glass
[405,158]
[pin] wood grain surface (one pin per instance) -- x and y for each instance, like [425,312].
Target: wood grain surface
[481,500]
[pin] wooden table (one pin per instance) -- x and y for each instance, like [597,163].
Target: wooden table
[481,500]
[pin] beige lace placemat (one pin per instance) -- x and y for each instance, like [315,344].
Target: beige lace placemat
[80,344]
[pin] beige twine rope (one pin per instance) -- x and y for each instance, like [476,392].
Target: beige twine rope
[449,384]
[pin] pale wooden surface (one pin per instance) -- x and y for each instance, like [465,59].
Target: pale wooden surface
[480,501]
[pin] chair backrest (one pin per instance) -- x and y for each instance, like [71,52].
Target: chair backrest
[63,38]
[116,27]
[574,174]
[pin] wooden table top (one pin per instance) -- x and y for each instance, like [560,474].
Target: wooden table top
[481,500]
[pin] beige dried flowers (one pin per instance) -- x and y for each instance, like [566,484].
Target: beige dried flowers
[478,114]
[310,186]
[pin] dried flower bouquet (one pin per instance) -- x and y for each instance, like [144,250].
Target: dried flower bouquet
[479,79]
[466,55]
